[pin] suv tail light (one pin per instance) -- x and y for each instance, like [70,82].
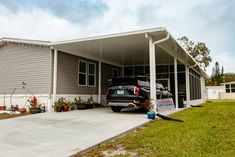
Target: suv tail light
[107,91]
[137,90]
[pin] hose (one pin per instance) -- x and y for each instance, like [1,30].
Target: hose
[168,118]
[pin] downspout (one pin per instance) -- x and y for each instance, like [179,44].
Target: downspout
[162,40]
[193,65]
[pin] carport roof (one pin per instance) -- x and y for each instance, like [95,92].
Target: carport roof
[129,48]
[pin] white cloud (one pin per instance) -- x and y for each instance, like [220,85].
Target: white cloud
[208,21]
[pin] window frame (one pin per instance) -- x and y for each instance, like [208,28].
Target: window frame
[228,88]
[232,88]
[82,73]
[91,74]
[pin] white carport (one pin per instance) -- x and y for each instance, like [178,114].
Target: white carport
[150,46]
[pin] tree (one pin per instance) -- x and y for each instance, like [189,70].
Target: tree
[229,77]
[217,76]
[199,51]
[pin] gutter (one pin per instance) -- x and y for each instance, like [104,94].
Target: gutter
[162,40]
[193,65]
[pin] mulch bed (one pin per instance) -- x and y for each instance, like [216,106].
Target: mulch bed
[7,116]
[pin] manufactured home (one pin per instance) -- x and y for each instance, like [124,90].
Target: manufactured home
[82,67]
[225,91]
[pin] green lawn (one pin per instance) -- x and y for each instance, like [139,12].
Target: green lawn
[208,131]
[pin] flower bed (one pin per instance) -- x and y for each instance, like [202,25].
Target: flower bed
[7,116]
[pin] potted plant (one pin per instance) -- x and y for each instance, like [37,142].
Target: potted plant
[81,105]
[34,107]
[3,108]
[22,110]
[59,105]
[66,106]
[90,102]
[71,105]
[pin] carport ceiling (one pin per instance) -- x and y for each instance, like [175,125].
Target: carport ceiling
[120,49]
[129,48]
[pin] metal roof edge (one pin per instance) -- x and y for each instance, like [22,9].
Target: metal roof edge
[109,36]
[26,41]
[232,82]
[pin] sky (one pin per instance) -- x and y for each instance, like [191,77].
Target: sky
[209,21]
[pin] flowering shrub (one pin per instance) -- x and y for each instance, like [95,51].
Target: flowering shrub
[34,102]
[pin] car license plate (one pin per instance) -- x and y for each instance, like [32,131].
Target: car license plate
[120,92]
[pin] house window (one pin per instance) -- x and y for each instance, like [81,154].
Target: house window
[82,73]
[86,73]
[232,88]
[91,74]
[227,87]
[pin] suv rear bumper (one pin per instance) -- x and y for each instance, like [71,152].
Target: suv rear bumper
[127,103]
[123,104]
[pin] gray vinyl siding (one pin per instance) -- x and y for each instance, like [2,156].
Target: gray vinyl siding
[67,75]
[106,74]
[23,63]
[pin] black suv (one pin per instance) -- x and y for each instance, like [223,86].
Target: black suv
[131,92]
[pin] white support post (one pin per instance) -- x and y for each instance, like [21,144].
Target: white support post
[187,85]
[54,80]
[203,91]
[99,83]
[176,84]
[152,65]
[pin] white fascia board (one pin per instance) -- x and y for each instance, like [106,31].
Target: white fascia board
[109,36]
[26,41]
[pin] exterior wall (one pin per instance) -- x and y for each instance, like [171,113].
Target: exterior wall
[196,102]
[71,97]
[29,64]
[106,74]
[67,78]
[21,100]
[227,95]
[67,75]
[214,92]
[23,63]
[203,88]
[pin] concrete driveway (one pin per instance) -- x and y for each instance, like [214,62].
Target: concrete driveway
[63,134]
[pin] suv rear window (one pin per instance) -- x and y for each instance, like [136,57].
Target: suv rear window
[142,81]
[123,81]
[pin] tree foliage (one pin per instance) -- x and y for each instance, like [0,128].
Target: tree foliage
[199,51]
[229,77]
[217,76]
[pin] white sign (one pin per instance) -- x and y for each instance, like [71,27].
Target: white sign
[165,104]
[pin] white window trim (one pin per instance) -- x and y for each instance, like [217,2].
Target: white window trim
[91,74]
[82,72]
[230,88]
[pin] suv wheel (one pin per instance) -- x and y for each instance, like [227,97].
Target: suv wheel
[116,108]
